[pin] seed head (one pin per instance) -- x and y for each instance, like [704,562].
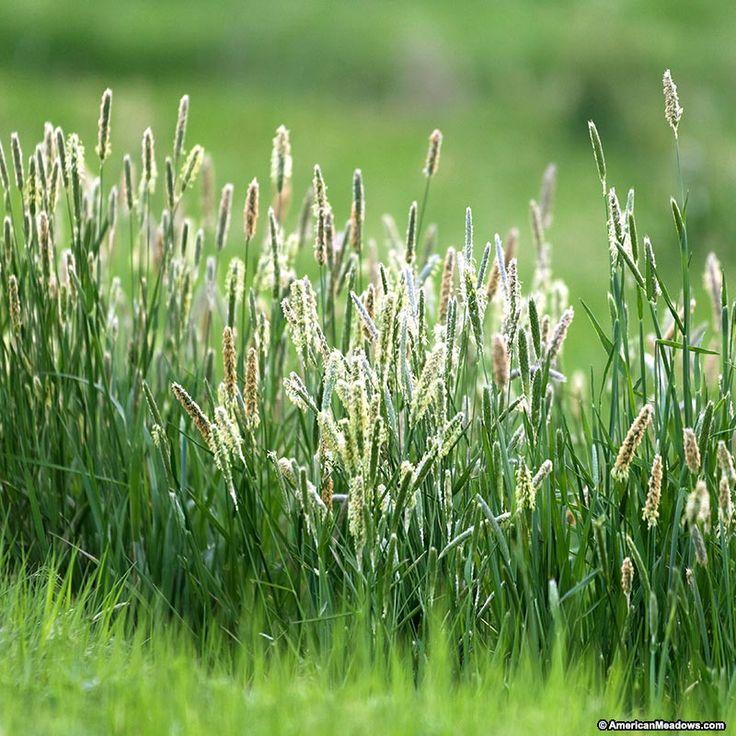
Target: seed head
[191,168]
[103,126]
[650,513]
[433,154]
[725,460]
[250,211]
[191,407]
[14,303]
[627,578]
[17,161]
[320,237]
[356,505]
[697,507]
[251,388]
[448,273]
[701,554]
[411,234]
[148,158]
[229,361]
[281,160]
[319,189]
[357,213]
[223,219]
[181,127]
[632,440]
[725,503]
[560,332]
[500,362]
[672,109]
[525,491]
[692,453]
[4,176]
[544,470]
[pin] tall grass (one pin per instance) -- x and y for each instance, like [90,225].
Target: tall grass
[389,443]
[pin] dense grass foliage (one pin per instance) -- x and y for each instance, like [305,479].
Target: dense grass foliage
[393,443]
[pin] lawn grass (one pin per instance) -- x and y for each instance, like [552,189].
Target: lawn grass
[76,664]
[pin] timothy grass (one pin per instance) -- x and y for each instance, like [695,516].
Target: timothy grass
[392,447]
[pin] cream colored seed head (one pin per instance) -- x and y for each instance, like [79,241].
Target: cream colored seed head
[692,453]
[650,513]
[627,578]
[631,442]
[672,109]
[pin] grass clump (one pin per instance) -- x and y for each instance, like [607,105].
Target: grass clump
[375,447]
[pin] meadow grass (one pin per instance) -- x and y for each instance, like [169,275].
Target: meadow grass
[344,464]
[75,663]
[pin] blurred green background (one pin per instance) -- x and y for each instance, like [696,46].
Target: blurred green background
[511,85]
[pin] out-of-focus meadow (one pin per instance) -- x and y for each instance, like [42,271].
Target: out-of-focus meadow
[511,85]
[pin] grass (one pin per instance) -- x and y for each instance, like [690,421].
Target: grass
[343,464]
[73,664]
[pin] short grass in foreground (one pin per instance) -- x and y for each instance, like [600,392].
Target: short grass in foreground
[393,447]
[72,664]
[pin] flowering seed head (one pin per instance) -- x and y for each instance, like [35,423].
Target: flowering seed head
[281,160]
[356,505]
[103,126]
[251,388]
[631,442]
[369,326]
[525,490]
[560,332]
[701,554]
[448,273]
[250,211]
[650,513]
[672,109]
[544,470]
[357,212]
[191,407]
[500,361]
[17,161]
[320,237]
[433,154]
[229,360]
[4,176]
[14,303]
[725,460]
[181,127]
[319,189]
[627,578]
[192,165]
[411,234]
[697,507]
[129,185]
[223,219]
[692,453]
[148,159]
